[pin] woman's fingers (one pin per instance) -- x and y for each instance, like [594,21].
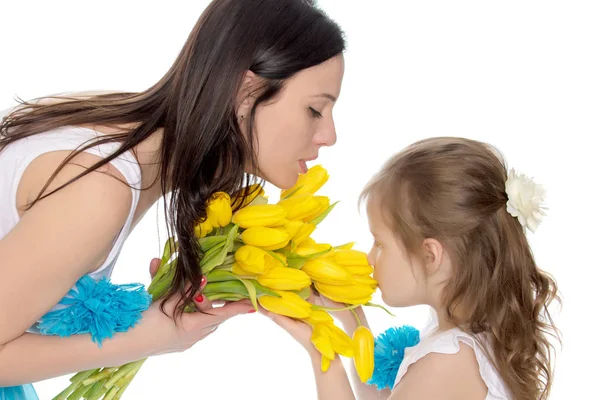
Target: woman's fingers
[154,264]
[231,309]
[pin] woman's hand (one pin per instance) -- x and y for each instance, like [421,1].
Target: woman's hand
[180,335]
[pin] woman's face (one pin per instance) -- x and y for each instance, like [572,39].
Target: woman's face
[290,130]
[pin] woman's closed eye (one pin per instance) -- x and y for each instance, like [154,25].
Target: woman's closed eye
[315,113]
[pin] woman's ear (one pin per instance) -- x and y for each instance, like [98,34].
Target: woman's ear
[246,95]
[433,256]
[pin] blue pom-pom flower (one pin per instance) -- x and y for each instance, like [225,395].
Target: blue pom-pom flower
[99,308]
[389,353]
[23,392]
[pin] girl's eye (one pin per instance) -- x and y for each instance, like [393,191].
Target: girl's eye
[315,113]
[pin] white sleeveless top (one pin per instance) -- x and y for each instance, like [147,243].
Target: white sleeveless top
[15,158]
[448,342]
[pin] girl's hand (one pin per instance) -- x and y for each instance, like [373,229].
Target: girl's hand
[172,336]
[299,330]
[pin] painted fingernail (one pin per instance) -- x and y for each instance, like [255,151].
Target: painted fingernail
[252,311]
[199,298]
[203,281]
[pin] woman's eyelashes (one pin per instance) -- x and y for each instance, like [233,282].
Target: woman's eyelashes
[315,113]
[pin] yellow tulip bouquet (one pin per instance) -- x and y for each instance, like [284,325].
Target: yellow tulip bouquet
[264,252]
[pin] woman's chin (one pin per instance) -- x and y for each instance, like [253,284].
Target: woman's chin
[282,181]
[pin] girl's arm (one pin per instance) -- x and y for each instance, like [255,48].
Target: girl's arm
[349,323]
[331,385]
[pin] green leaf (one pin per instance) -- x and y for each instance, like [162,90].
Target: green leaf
[169,248]
[259,199]
[220,275]
[322,216]
[164,269]
[231,236]
[226,297]
[212,258]
[262,290]
[217,255]
[230,287]
[121,372]
[160,286]
[208,242]
[296,263]
[80,391]
[342,245]
[105,373]
[75,383]
[251,292]
[278,257]
[293,192]
[349,307]
[304,293]
[95,389]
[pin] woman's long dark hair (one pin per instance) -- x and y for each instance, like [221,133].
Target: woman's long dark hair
[203,149]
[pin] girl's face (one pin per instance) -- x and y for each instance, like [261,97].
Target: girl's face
[290,130]
[401,276]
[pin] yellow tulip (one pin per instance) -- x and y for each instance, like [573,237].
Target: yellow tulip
[319,317]
[312,249]
[282,278]
[307,242]
[350,294]
[321,339]
[253,192]
[202,229]
[309,182]
[365,280]
[359,269]
[326,271]
[252,259]
[276,260]
[238,270]
[299,231]
[342,344]
[323,204]
[350,257]
[266,238]
[325,363]
[304,232]
[260,215]
[289,304]
[364,358]
[346,246]
[304,207]
[219,209]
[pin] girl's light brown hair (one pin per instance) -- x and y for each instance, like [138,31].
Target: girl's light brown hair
[453,190]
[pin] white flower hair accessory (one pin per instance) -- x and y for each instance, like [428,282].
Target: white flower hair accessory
[525,200]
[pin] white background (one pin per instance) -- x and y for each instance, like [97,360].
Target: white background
[522,75]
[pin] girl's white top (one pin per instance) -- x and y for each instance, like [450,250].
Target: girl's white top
[448,342]
[15,158]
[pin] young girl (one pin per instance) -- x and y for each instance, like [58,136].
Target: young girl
[78,172]
[448,224]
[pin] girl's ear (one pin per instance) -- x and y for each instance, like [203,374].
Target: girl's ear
[433,256]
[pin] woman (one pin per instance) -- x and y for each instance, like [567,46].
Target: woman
[241,98]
